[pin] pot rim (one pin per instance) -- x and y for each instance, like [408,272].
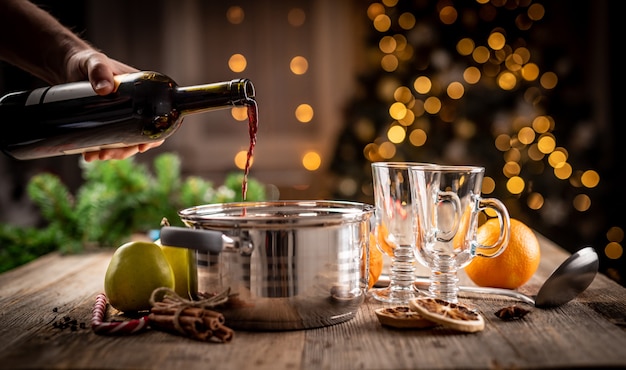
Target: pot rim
[268,213]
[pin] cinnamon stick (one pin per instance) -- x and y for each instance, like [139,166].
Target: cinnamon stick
[183,325]
[191,319]
[215,314]
[197,328]
[210,319]
[212,323]
[161,309]
[225,334]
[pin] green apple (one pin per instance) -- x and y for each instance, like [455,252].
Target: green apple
[136,269]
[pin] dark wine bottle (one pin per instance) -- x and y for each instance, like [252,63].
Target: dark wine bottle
[71,118]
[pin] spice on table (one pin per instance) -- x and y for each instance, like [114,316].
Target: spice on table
[68,323]
[454,316]
[193,319]
[401,317]
[511,313]
[194,322]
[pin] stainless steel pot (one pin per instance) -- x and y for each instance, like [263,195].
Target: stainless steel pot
[291,264]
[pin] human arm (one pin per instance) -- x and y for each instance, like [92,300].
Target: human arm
[33,40]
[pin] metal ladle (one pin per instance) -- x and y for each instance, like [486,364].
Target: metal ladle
[570,279]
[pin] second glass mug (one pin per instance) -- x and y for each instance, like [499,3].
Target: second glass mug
[394,229]
[446,203]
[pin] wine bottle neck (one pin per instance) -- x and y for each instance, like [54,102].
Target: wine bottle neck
[192,99]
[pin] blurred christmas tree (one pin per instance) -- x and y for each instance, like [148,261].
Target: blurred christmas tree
[489,83]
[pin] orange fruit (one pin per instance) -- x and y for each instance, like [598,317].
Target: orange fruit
[458,242]
[376,262]
[514,266]
[383,245]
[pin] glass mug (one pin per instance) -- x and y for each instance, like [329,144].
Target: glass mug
[446,203]
[394,229]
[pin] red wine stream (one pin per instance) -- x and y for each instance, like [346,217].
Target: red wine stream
[253,126]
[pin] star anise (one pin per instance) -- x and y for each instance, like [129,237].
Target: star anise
[511,313]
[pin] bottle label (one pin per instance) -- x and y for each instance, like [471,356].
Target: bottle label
[35,96]
[95,148]
[75,90]
[72,90]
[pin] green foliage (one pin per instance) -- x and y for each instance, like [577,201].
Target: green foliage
[118,198]
[21,245]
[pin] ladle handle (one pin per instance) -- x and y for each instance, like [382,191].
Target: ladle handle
[499,291]
[197,239]
[424,282]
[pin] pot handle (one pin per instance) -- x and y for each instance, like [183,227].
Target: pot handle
[198,239]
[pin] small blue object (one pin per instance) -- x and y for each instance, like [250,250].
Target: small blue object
[154,234]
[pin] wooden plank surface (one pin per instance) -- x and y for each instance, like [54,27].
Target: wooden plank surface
[37,298]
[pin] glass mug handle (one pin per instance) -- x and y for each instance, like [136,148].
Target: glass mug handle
[452,198]
[505,228]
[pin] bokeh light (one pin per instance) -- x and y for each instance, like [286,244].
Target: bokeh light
[240,159]
[406,21]
[515,185]
[448,15]
[296,17]
[418,137]
[582,202]
[613,250]
[382,23]
[235,14]
[396,134]
[549,80]
[432,105]
[304,113]
[455,90]
[489,185]
[535,201]
[299,65]
[311,161]
[237,63]
[465,46]
[239,113]
[422,85]
[590,178]
[471,75]
[397,110]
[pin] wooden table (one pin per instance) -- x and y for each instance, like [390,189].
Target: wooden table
[588,332]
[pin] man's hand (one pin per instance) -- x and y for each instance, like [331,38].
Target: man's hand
[35,41]
[100,69]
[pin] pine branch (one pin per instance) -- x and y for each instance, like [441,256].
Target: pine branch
[168,174]
[52,197]
[118,198]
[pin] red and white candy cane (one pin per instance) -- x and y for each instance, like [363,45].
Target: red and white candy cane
[99,326]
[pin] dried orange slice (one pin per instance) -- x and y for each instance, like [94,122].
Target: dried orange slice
[451,315]
[403,318]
